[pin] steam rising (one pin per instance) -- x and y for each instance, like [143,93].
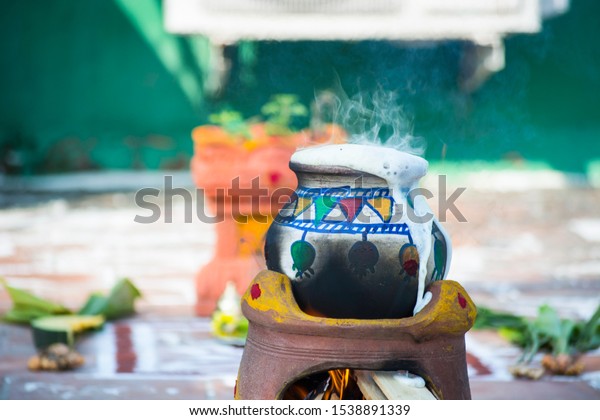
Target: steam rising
[374,119]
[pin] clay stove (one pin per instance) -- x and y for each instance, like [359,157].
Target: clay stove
[285,344]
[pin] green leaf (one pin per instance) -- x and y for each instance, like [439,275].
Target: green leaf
[95,305]
[548,322]
[27,307]
[514,335]
[489,318]
[532,345]
[298,110]
[121,300]
[546,331]
[560,344]
[270,108]
[280,112]
[23,315]
[231,121]
[119,303]
[586,336]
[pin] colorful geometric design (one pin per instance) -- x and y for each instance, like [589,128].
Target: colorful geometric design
[323,206]
[343,210]
[351,207]
[344,192]
[382,206]
[336,215]
[351,228]
[288,210]
[302,204]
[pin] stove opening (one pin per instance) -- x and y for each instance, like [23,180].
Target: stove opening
[336,384]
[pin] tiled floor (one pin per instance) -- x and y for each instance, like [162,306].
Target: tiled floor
[517,250]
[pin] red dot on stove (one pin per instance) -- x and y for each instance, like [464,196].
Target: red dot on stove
[255,291]
[462,301]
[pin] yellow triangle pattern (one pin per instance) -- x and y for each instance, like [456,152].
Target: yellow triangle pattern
[302,204]
[383,207]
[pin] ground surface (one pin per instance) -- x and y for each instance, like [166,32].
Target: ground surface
[516,251]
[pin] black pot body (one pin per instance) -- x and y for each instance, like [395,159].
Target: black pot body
[343,244]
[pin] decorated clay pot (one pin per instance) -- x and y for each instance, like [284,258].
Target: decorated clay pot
[347,248]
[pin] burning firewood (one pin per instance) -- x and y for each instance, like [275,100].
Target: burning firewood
[346,384]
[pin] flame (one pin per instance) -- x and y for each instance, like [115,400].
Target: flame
[334,384]
[339,382]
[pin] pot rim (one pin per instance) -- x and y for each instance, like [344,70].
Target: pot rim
[329,170]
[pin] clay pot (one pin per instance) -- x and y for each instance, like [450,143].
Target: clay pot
[347,254]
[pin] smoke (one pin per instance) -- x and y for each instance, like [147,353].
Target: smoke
[370,118]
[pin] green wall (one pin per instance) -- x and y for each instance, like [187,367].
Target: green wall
[78,80]
[99,84]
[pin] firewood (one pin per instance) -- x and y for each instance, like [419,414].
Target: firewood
[385,385]
[367,385]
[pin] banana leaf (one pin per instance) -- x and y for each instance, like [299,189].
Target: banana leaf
[27,307]
[119,302]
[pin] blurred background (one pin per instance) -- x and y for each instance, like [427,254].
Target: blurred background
[103,85]
[99,99]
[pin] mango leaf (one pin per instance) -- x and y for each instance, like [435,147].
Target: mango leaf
[27,307]
[119,302]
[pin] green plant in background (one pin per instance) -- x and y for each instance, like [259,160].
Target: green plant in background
[280,113]
[278,121]
[232,121]
[563,339]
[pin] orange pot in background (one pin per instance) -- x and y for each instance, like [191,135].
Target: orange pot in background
[259,168]
[220,163]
